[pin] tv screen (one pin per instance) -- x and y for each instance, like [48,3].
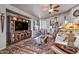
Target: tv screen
[21,25]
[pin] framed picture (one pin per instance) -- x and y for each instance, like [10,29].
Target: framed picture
[33,25]
[52,22]
[76,13]
[1,22]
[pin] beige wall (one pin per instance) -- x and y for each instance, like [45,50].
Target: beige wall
[3,10]
[60,18]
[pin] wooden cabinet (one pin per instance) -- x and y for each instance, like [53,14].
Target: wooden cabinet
[16,36]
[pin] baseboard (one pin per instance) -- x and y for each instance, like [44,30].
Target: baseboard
[2,48]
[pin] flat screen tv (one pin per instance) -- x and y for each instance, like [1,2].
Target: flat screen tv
[21,25]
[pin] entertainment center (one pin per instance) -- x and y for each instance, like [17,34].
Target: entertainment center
[19,28]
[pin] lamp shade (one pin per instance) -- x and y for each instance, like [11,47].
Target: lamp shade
[71,27]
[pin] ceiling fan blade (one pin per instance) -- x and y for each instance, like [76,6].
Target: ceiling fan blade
[56,6]
[56,10]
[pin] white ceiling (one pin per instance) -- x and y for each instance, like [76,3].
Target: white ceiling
[40,10]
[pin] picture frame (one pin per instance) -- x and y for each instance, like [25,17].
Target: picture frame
[76,13]
[2,22]
[33,25]
[52,22]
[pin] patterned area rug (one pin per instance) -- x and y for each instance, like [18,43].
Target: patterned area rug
[26,47]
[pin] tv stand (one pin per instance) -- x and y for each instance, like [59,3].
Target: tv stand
[16,36]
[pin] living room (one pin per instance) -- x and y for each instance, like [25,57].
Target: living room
[37,29]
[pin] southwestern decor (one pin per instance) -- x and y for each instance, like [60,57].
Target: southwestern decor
[2,22]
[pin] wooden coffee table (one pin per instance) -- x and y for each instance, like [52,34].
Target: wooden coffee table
[63,49]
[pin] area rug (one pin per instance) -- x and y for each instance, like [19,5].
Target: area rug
[26,47]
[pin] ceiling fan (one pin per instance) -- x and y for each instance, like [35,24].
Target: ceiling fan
[51,8]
